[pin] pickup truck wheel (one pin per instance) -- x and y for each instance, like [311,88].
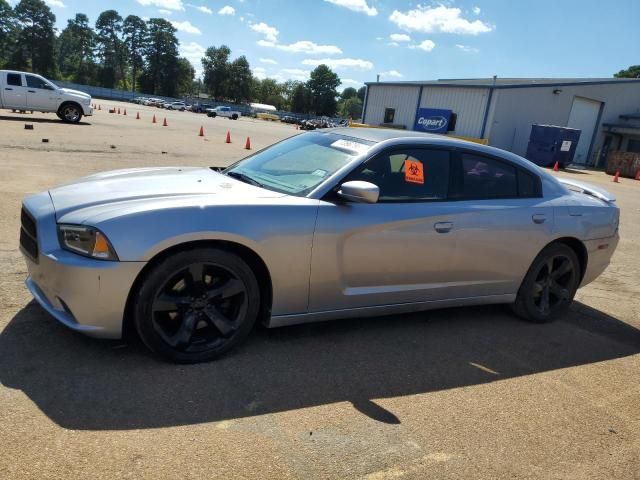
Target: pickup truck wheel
[234,116]
[213,114]
[70,113]
[197,304]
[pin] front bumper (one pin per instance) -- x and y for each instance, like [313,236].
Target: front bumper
[88,110]
[84,294]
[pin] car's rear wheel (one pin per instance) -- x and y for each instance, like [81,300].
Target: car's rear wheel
[197,305]
[70,113]
[550,285]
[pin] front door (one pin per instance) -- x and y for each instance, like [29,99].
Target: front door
[14,95]
[40,94]
[395,251]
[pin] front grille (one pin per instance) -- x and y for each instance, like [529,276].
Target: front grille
[28,234]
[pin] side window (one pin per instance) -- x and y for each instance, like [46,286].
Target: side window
[411,175]
[14,79]
[527,185]
[34,82]
[389,115]
[484,178]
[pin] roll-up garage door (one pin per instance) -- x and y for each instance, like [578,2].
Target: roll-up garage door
[584,116]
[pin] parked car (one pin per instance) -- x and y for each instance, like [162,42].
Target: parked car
[223,112]
[399,221]
[24,91]
[267,116]
[289,119]
[201,107]
[176,106]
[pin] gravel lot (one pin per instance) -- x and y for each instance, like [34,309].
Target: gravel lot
[459,393]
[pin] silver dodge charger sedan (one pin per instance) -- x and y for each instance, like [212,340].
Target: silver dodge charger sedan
[324,225]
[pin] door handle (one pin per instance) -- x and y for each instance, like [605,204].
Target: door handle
[7,88]
[538,218]
[443,227]
[31,91]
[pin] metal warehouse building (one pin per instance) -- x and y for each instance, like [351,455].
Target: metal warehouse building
[503,110]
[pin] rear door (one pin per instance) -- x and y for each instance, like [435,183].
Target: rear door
[40,94]
[395,251]
[501,222]
[14,94]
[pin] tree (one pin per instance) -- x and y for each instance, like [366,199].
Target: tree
[269,91]
[215,64]
[161,70]
[135,33]
[300,98]
[110,48]
[362,91]
[350,108]
[631,72]
[240,80]
[184,80]
[76,50]
[348,92]
[36,39]
[8,31]
[322,84]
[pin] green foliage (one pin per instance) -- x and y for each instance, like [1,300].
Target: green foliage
[322,84]
[76,50]
[362,91]
[110,48]
[240,80]
[161,73]
[35,40]
[135,39]
[350,108]
[215,64]
[348,92]
[631,72]
[8,30]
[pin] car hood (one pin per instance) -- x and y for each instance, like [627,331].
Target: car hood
[117,189]
[76,93]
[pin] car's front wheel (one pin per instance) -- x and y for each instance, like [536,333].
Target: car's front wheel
[196,305]
[550,285]
[70,112]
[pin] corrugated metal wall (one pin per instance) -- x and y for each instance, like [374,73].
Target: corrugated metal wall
[403,98]
[467,103]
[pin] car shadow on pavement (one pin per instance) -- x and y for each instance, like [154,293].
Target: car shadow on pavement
[81,383]
[28,119]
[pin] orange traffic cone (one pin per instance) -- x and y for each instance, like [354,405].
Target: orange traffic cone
[228,137]
[617,176]
[556,167]
[118,110]
[165,124]
[247,145]
[137,115]
[154,118]
[201,134]
[125,111]
[638,174]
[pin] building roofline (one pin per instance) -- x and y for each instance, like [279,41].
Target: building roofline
[489,84]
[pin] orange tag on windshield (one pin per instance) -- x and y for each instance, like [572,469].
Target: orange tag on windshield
[413,172]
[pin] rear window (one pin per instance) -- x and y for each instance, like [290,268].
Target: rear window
[485,177]
[14,79]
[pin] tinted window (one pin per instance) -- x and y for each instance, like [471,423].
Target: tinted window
[485,177]
[408,175]
[527,185]
[35,82]
[14,79]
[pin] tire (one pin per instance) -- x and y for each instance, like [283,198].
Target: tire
[196,305]
[213,114]
[548,288]
[70,112]
[234,116]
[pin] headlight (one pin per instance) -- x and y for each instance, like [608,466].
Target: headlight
[87,241]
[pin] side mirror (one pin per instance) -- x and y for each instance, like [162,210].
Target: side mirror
[359,191]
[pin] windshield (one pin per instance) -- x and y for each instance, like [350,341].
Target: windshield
[299,164]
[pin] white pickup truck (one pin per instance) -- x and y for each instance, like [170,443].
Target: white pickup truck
[27,91]
[223,112]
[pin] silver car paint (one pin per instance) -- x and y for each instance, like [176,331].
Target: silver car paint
[326,259]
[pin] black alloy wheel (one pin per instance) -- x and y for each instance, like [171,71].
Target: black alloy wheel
[197,305]
[550,285]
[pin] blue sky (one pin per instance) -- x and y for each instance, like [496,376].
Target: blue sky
[399,39]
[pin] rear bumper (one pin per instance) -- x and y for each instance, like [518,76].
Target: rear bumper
[599,253]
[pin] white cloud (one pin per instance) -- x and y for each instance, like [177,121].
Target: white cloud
[393,44]
[270,33]
[259,72]
[269,61]
[467,48]
[400,37]
[164,12]
[303,46]
[359,6]
[186,27]
[166,4]
[426,45]
[392,73]
[55,3]
[476,10]
[341,63]
[227,10]
[201,8]
[193,52]
[438,19]
[295,74]
[350,81]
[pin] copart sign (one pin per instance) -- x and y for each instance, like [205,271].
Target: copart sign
[432,120]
